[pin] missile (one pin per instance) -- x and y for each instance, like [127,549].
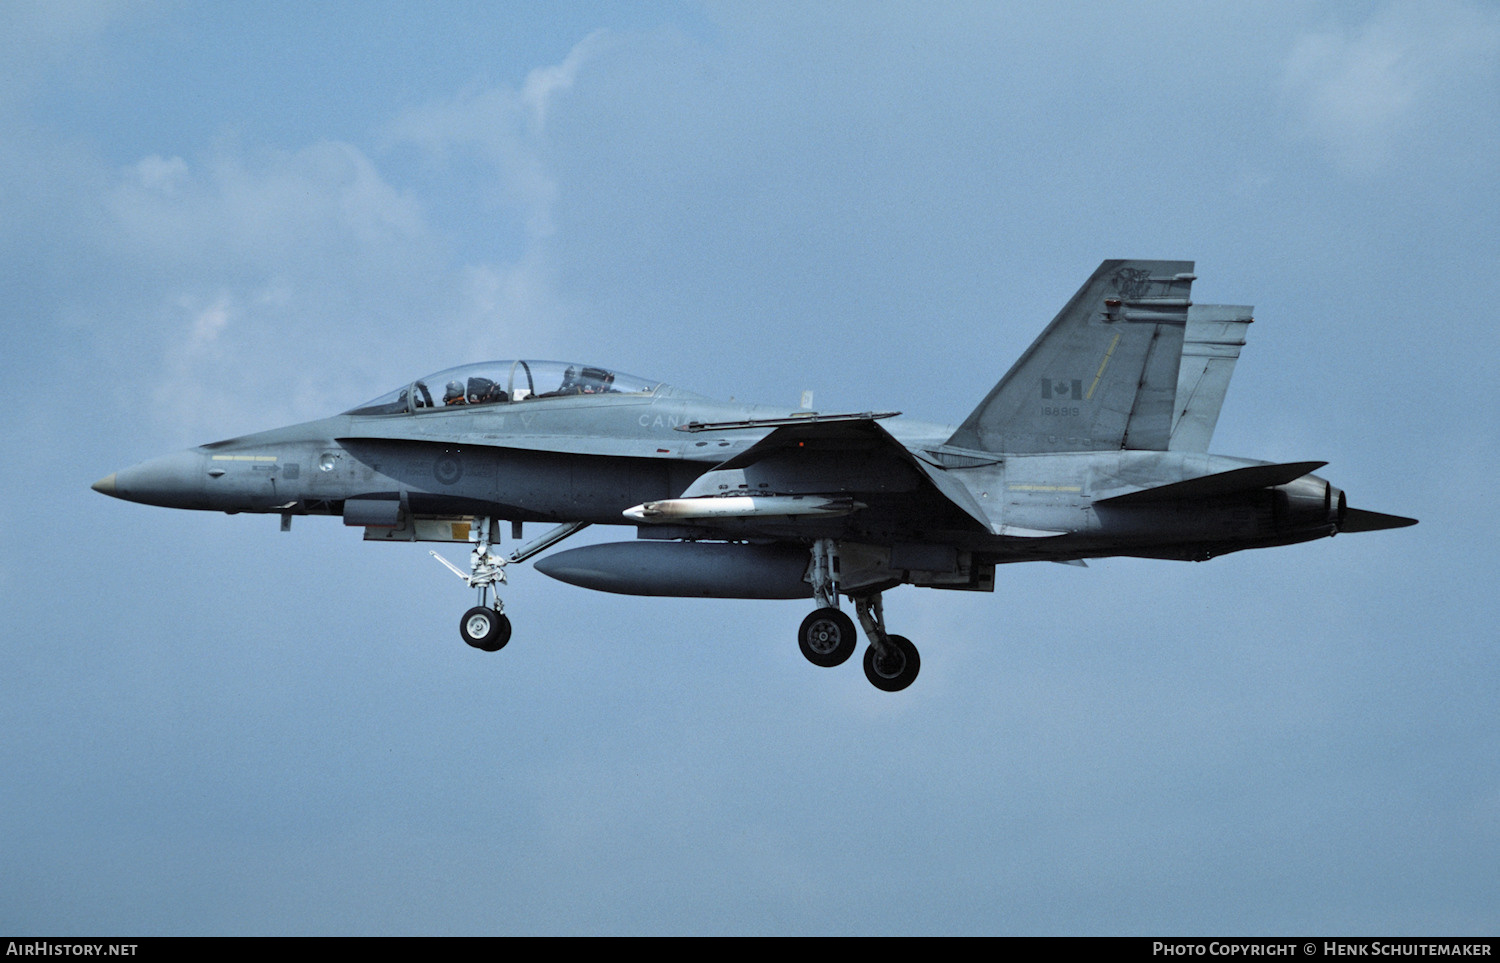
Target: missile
[739,506]
[719,570]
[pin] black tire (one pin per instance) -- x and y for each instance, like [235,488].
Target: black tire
[484,628]
[827,637]
[898,670]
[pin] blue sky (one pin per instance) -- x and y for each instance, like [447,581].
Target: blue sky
[221,218]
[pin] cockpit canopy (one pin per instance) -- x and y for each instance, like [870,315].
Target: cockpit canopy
[503,382]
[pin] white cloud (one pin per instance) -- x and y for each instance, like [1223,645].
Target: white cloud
[182,396]
[262,216]
[207,325]
[256,271]
[544,84]
[506,127]
[271,264]
[161,174]
[1363,91]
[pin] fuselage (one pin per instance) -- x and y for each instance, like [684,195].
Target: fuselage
[578,458]
[591,457]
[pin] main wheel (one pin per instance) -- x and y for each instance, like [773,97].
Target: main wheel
[827,637]
[484,628]
[899,667]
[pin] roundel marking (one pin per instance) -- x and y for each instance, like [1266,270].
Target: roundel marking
[447,469]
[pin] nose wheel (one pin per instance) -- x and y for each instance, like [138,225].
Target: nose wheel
[485,629]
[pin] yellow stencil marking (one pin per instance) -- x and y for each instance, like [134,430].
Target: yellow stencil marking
[1102,365]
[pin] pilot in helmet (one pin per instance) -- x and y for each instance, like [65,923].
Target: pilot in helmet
[454,394]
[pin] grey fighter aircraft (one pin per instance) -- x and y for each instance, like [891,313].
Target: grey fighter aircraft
[1094,444]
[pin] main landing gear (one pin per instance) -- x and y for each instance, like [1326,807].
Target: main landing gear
[827,634]
[486,626]
[827,637]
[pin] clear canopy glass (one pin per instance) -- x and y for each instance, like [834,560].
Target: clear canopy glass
[503,382]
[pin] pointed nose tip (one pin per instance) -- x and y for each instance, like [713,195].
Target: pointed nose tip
[171,481]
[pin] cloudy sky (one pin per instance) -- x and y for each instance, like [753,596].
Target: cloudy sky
[220,218]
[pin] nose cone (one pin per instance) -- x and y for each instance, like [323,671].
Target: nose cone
[172,481]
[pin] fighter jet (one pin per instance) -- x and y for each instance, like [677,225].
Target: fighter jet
[1094,444]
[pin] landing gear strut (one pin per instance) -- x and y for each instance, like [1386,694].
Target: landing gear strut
[891,661]
[827,634]
[486,626]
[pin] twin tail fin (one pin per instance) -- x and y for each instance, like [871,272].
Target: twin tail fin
[1102,376]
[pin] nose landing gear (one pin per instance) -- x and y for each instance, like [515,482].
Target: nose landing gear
[486,626]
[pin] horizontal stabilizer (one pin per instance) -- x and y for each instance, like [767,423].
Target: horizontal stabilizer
[1222,483]
[1358,520]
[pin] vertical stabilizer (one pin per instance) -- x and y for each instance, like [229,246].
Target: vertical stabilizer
[1212,341]
[1102,376]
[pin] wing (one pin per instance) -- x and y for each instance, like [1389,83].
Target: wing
[802,473]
